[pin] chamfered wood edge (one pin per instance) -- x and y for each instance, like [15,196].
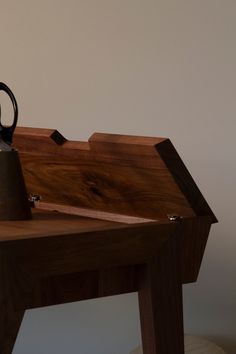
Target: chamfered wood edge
[43,133]
[109,138]
[90,213]
[184,179]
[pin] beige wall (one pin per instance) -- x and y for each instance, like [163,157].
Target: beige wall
[148,67]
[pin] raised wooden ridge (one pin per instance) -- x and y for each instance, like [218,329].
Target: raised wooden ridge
[59,139]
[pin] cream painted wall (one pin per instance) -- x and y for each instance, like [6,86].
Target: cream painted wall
[153,67]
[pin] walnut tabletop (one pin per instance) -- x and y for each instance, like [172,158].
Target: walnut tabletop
[113,215]
[51,223]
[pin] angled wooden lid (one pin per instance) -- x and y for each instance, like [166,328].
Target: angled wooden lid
[120,174]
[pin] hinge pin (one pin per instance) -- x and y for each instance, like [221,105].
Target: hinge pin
[174,217]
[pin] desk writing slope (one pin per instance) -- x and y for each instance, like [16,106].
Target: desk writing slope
[102,227]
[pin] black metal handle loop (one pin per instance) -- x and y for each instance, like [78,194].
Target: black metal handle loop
[6,133]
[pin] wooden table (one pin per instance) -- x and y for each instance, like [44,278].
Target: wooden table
[103,226]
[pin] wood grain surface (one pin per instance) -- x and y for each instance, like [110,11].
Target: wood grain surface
[93,176]
[109,173]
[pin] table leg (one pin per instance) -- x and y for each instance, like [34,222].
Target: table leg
[10,319]
[160,303]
